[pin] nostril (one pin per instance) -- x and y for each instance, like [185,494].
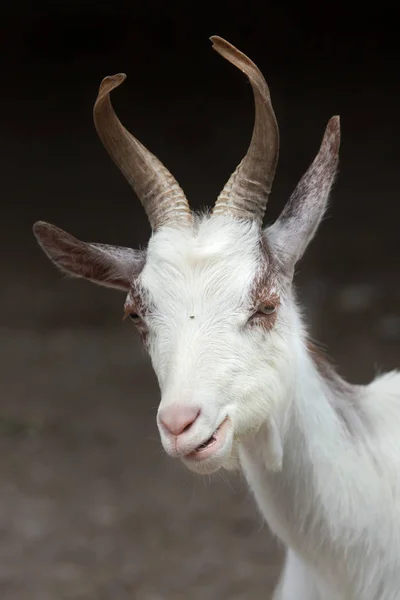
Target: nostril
[188,426]
[178,418]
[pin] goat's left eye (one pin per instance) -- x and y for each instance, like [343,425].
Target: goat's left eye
[267,309]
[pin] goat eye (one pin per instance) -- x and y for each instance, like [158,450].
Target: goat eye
[135,317]
[267,309]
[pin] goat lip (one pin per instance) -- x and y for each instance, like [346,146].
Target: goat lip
[211,445]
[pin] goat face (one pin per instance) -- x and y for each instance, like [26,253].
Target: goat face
[211,295]
[209,304]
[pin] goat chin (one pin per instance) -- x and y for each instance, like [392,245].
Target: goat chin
[230,462]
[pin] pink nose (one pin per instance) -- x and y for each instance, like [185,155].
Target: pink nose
[177,418]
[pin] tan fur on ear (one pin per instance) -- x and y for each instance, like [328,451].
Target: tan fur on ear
[110,266]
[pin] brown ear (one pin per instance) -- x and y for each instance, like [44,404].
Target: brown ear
[110,266]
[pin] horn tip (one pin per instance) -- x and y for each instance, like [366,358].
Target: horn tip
[111,82]
[221,46]
[237,58]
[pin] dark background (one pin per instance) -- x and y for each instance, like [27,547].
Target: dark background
[90,508]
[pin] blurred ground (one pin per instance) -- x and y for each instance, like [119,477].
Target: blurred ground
[90,509]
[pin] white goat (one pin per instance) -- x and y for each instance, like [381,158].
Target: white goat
[241,385]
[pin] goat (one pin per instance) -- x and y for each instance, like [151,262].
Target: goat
[241,385]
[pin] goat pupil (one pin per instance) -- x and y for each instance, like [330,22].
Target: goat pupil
[268,310]
[134,316]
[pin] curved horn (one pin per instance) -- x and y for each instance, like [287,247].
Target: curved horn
[161,196]
[245,195]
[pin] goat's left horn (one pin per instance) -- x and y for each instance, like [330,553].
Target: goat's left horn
[245,195]
[162,198]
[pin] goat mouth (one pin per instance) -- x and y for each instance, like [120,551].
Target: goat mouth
[211,445]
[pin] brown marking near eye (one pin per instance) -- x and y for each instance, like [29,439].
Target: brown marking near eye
[129,308]
[127,311]
[135,303]
[264,291]
[263,320]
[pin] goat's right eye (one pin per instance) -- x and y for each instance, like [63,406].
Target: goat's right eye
[135,317]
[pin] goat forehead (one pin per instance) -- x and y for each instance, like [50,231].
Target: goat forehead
[217,259]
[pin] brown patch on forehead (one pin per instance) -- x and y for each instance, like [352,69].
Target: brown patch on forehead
[135,301]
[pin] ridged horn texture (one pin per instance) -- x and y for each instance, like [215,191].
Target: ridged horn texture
[245,195]
[162,198]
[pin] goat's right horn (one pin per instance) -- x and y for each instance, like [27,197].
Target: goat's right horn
[245,195]
[161,196]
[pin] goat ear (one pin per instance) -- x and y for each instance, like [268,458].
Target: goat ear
[110,266]
[299,220]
